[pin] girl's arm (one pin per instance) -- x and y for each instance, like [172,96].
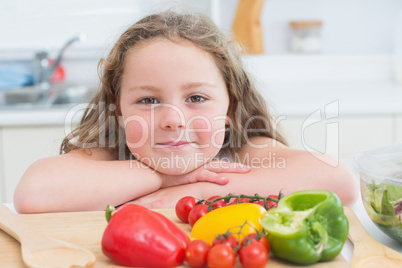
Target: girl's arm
[276,168]
[289,170]
[77,181]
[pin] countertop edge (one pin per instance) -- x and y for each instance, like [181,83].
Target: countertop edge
[288,99]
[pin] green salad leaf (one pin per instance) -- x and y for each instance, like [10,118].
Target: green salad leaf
[395,199]
[384,206]
[385,199]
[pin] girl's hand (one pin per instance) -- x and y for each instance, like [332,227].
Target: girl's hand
[206,173]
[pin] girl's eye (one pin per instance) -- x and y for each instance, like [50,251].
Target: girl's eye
[149,101]
[196,98]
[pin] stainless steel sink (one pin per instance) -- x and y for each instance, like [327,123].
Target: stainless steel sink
[48,96]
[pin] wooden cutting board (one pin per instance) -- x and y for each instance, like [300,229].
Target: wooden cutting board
[86,228]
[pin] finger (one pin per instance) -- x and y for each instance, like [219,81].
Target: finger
[209,176]
[228,167]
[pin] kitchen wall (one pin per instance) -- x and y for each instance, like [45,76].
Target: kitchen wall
[46,24]
[350,26]
[29,26]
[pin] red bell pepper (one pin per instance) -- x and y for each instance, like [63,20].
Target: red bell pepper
[137,236]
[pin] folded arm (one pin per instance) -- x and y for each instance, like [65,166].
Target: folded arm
[275,168]
[77,181]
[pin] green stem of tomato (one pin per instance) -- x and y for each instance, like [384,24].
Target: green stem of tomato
[109,211]
[238,233]
[252,198]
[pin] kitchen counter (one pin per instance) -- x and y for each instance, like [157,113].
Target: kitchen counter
[43,116]
[348,247]
[290,99]
[85,229]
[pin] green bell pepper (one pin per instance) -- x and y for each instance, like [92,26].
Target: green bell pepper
[307,227]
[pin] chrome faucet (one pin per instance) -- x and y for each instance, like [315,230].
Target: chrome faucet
[42,69]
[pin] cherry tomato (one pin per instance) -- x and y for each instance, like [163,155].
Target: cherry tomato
[213,197]
[229,240]
[197,252]
[271,204]
[241,200]
[221,256]
[197,212]
[253,255]
[184,206]
[250,238]
[217,204]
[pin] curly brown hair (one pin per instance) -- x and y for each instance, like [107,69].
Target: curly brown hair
[247,112]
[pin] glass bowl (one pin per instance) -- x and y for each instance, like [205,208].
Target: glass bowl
[380,173]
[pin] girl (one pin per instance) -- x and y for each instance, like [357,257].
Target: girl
[175,113]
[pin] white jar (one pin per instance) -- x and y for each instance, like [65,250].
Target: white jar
[305,36]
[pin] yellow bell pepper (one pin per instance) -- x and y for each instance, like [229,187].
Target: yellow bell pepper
[220,220]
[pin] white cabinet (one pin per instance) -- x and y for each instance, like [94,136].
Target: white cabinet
[351,133]
[20,147]
[343,136]
[365,132]
[398,132]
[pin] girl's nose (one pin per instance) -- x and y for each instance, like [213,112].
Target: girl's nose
[171,117]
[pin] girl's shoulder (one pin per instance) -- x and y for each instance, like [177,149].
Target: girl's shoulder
[258,143]
[261,147]
[99,154]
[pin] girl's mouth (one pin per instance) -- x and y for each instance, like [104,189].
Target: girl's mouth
[173,144]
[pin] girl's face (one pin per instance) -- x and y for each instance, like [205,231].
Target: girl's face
[174,103]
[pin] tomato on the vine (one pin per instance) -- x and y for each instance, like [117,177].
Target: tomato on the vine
[218,203]
[271,204]
[228,239]
[197,252]
[184,206]
[221,256]
[253,255]
[213,197]
[197,212]
[241,200]
[253,237]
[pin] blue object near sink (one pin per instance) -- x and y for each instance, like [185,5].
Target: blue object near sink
[14,76]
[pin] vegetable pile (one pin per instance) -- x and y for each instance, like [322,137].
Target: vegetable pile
[226,227]
[302,228]
[189,209]
[252,250]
